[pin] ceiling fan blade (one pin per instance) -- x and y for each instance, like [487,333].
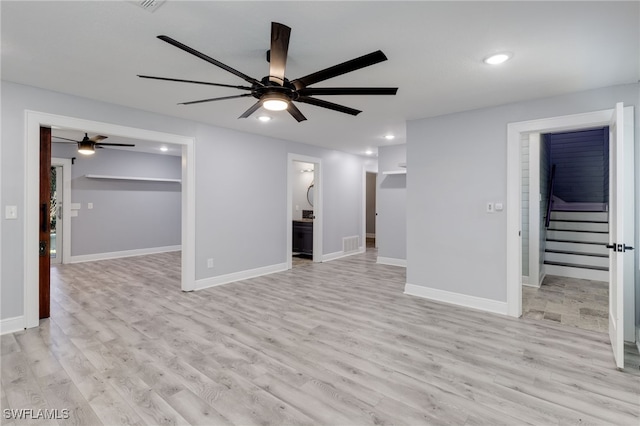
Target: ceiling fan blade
[343,68]
[251,110]
[215,99]
[195,82]
[98,138]
[70,140]
[328,105]
[99,144]
[295,112]
[208,59]
[311,91]
[278,57]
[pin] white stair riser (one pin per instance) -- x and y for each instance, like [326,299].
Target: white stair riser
[584,274]
[577,247]
[578,236]
[580,226]
[594,216]
[577,259]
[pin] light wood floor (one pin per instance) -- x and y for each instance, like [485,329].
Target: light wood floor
[328,344]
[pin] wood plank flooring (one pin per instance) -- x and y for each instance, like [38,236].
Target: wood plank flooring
[336,343]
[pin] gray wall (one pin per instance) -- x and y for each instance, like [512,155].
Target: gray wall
[228,229]
[126,215]
[391,231]
[457,163]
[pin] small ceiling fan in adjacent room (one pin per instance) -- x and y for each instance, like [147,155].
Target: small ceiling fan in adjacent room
[275,92]
[88,145]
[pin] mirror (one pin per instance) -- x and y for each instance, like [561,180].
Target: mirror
[310,194]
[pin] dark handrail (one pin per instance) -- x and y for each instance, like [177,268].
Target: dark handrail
[550,196]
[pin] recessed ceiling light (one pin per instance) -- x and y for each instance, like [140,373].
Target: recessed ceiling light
[389,137]
[264,118]
[368,152]
[497,59]
[164,149]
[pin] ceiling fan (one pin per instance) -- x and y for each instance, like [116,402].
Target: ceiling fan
[275,92]
[88,145]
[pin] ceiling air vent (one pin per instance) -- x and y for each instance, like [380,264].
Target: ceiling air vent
[149,5]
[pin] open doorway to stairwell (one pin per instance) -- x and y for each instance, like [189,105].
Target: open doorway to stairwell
[565,219]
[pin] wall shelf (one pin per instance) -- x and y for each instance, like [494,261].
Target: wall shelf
[144,179]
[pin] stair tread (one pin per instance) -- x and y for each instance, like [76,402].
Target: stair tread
[578,253]
[575,265]
[579,221]
[574,241]
[580,211]
[577,230]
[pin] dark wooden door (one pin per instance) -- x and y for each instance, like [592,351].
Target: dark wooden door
[45,236]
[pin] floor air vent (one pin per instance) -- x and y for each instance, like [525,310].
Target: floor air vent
[350,244]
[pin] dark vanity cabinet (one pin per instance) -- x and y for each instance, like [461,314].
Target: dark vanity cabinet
[303,237]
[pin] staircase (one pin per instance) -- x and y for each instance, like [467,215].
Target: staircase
[575,245]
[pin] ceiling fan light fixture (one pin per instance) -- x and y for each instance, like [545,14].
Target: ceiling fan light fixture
[275,102]
[86,147]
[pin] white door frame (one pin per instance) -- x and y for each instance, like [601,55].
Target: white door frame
[317,205]
[65,237]
[514,191]
[33,121]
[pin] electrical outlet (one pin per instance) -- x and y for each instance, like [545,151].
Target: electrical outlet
[209,263]
[489,207]
[11,212]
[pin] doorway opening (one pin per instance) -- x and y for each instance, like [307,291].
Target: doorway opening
[565,263]
[370,207]
[60,219]
[304,211]
[35,120]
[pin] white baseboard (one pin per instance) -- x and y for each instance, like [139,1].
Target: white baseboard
[638,338]
[239,276]
[392,261]
[11,325]
[465,300]
[542,277]
[340,254]
[526,283]
[124,253]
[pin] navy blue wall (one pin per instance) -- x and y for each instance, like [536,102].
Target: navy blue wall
[582,165]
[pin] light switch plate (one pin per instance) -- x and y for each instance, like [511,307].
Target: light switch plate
[89,206]
[75,206]
[499,207]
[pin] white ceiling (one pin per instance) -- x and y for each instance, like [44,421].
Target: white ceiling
[95,49]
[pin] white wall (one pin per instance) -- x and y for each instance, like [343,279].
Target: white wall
[457,163]
[391,231]
[524,156]
[231,168]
